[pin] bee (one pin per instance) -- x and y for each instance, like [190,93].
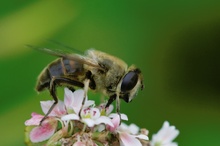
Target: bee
[96,70]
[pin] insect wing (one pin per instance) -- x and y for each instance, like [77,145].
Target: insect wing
[69,55]
[64,47]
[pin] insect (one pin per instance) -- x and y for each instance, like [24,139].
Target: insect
[95,70]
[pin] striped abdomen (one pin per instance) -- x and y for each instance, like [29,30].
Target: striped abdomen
[62,68]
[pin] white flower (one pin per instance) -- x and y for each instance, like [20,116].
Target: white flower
[89,115]
[92,116]
[73,100]
[71,105]
[73,123]
[165,136]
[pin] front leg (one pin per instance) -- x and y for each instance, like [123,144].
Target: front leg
[118,106]
[110,100]
[52,89]
[86,87]
[113,98]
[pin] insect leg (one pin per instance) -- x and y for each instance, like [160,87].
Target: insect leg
[52,90]
[110,100]
[118,106]
[86,86]
[54,81]
[71,89]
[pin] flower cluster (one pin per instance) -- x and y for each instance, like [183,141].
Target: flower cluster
[70,124]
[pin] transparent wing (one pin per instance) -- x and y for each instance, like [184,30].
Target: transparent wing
[69,55]
[65,47]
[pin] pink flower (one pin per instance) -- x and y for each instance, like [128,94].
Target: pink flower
[43,132]
[127,134]
[88,124]
[116,121]
[57,111]
[72,104]
[35,120]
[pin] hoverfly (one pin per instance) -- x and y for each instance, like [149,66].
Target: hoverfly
[95,70]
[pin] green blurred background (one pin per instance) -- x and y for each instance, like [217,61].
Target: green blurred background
[175,43]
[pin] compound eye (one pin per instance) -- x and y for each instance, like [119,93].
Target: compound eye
[129,81]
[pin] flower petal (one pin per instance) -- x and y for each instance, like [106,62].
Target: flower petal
[78,96]
[129,140]
[95,113]
[142,136]
[70,117]
[123,128]
[168,133]
[133,129]
[104,120]
[165,135]
[123,116]
[171,144]
[115,122]
[88,103]
[35,120]
[68,97]
[43,132]
[109,109]
[45,105]
[58,110]
[100,128]
[88,122]
[172,132]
